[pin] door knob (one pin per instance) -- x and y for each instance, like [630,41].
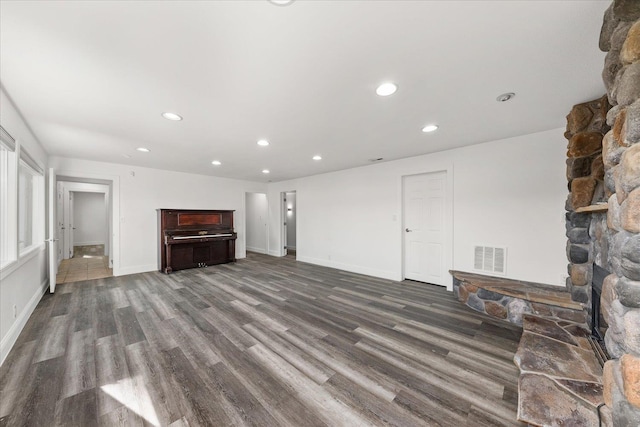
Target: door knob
[407,230]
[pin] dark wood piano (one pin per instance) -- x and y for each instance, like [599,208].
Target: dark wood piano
[195,238]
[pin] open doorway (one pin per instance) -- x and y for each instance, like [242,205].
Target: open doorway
[84,229]
[90,224]
[290,219]
[256,220]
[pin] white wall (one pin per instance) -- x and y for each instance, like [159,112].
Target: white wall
[90,219]
[505,193]
[257,212]
[22,284]
[291,220]
[143,190]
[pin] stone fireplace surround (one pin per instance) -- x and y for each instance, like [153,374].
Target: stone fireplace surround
[561,382]
[603,220]
[620,304]
[603,212]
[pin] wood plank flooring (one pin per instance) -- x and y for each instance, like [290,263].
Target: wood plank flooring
[263,342]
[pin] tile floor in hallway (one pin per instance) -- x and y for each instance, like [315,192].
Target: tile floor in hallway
[88,262]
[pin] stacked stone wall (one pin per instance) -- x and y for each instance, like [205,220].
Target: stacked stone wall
[586,127]
[620,38]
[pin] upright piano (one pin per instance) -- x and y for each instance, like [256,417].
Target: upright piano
[195,238]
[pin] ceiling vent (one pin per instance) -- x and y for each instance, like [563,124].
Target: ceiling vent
[490,259]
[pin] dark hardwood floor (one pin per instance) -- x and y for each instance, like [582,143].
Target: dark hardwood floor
[265,341]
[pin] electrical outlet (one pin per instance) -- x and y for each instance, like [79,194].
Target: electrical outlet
[15,311]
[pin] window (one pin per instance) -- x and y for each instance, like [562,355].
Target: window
[7,199]
[22,208]
[30,204]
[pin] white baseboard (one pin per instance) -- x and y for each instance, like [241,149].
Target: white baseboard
[14,331]
[258,250]
[92,243]
[274,253]
[123,271]
[390,275]
[291,247]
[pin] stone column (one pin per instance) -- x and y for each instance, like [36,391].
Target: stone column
[586,126]
[620,38]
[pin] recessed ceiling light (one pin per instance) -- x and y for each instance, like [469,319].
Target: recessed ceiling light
[265,170]
[386,89]
[263,142]
[317,157]
[281,2]
[429,128]
[216,163]
[505,97]
[172,116]
[143,150]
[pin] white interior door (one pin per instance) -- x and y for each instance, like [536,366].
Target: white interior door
[68,223]
[60,222]
[284,222]
[424,199]
[70,226]
[66,227]
[53,230]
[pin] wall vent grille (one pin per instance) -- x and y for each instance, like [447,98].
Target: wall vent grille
[489,259]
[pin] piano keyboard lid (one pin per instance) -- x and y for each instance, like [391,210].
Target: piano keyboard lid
[200,236]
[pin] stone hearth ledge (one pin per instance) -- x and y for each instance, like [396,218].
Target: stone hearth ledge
[560,378]
[509,299]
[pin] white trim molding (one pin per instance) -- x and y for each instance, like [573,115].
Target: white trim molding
[258,250]
[352,268]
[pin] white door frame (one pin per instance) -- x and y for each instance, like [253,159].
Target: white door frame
[69,188]
[114,195]
[449,227]
[59,217]
[53,230]
[283,219]
[69,221]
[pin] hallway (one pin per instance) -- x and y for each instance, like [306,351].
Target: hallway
[88,262]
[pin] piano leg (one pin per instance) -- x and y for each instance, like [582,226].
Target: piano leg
[167,249]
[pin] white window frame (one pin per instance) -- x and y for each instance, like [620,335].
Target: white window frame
[12,157]
[8,200]
[36,209]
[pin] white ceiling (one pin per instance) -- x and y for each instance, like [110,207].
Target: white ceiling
[92,78]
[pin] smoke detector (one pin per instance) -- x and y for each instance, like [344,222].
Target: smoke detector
[505,97]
